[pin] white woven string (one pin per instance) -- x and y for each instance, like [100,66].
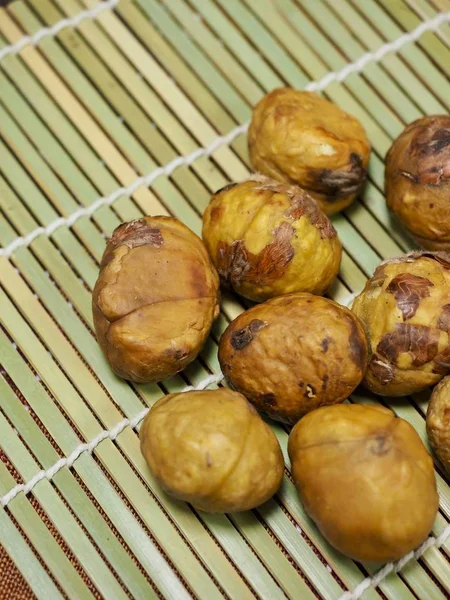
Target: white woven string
[394,46]
[375,580]
[92,445]
[147,180]
[32,40]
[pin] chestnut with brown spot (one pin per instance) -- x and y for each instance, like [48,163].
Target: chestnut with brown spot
[241,338]
[381,371]
[357,344]
[335,184]
[419,341]
[408,290]
[444,319]
[235,263]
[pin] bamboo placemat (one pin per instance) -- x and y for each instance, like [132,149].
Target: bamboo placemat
[116,109]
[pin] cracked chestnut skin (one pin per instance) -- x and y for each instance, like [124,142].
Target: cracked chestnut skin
[417,181]
[438,422]
[301,138]
[267,239]
[155,299]
[366,479]
[293,354]
[405,308]
[212,449]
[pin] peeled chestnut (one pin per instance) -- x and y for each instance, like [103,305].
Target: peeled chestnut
[301,138]
[293,354]
[212,449]
[366,479]
[405,308]
[438,422]
[417,180]
[155,299]
[267,239]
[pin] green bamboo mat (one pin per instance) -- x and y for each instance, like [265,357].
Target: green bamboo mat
[85,112]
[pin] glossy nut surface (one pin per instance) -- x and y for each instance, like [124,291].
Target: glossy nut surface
[299,137]
[417,180]
[293,354]
[405,308]
[155,299]
[366,479]
[212,449]
[267,239]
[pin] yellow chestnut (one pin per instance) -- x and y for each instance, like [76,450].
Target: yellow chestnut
[417,180]
[301,138]
[267,238]
[366,479]
[212,449]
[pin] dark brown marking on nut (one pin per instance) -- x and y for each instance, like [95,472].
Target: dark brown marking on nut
[301,204]
[131,234]
[325,343]
[176,353]
[356,344]
[443,322]
[226,188]
[419,341]
[442,361]
[136,233]
[216,212]
[408,291]
[268,399]
[431,148]
[336,184]
[380,370]
[301,384]
[243,337]
[379,445]
[442,258]
[325,382]
[235,263]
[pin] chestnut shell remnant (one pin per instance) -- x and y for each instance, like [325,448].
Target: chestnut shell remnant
[212,449]
[155,299]
[405,308]
[267,239]
[293,354]
[298,137]
[417,180]
[366,479]
[438,422]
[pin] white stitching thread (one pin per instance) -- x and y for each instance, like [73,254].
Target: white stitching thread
[32,40]
[112,434]
[356,67]
[122,191]
[90,446]
[376,579]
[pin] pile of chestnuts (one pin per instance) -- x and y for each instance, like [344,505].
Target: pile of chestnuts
[363,474]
